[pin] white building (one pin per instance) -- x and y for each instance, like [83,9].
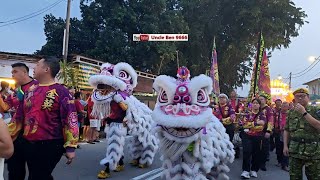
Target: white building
[314,86]
[7,59]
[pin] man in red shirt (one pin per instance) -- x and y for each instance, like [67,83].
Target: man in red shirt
[93,123]
[17,163]
[50,123]
[80,111]
[117,116]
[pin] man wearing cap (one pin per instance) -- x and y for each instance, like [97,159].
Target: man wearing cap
[226,114]
[302,134]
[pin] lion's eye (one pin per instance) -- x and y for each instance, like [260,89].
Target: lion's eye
[124,75]
[202,96]
[163,98]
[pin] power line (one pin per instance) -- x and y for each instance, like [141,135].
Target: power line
[2,22]
[316,60]
[287,78]
[308,70]
[31,15]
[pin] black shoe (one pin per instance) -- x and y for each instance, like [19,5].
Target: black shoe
[237,155]
[263,168]
[285,168]
[96,141]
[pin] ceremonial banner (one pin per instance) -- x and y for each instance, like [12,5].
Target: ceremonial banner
[259,72]
[214,73]
[264,78]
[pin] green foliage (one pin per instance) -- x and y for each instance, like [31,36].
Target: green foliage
[106,28]
[314,97]
[68,74]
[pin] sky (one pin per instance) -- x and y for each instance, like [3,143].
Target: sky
[28,36]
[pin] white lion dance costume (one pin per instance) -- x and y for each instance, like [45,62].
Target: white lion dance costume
[113,99]
[193,142]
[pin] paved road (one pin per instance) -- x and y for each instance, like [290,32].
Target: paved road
[86,166]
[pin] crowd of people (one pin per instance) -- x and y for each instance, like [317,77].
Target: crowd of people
[44,119]
[264,127]
[47,120]
[89,127]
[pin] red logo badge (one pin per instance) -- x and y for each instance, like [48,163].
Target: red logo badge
[144,37]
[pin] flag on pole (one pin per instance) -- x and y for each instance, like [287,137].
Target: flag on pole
[214,73]
[260,81]
[264,78]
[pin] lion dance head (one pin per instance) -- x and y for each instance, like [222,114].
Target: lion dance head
[193,142]
[112,80]
[182,105]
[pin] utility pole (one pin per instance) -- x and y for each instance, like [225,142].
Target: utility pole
[290,80]
[66,34]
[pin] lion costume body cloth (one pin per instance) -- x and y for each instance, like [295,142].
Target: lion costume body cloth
[137,119]
[193,142]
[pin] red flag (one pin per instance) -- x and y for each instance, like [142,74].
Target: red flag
[264,77]
[260,81]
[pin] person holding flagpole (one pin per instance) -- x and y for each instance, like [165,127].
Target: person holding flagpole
[260,87]
[237,105]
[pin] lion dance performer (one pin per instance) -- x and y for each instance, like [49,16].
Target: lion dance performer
[193,142]
[113,99]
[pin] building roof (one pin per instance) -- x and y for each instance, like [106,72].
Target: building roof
[316,79]
[145,79]
[18,56]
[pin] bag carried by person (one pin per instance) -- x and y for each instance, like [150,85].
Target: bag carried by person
[94,123]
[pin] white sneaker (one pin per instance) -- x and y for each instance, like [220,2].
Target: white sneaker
[253,174]
[245,175]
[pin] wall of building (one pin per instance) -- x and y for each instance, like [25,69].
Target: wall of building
[144,85]
[314,87]
[5,71]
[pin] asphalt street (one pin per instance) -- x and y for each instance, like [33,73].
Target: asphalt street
[86,166]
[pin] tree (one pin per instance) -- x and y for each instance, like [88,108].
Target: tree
[236,24]
[68,74]
[106,28]
[54,30]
